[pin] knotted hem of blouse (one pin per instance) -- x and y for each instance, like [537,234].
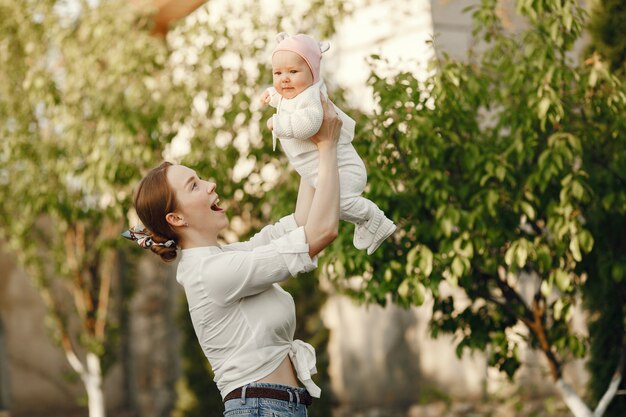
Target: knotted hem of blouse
[302,356]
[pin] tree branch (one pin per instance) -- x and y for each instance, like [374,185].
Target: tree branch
[78,286]
[66,341]
[104,296]
[538,327]
[572,400]
[533,319]
[614,385]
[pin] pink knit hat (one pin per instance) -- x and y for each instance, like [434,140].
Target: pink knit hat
[305,46]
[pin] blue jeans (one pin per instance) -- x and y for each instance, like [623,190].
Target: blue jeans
[266,407]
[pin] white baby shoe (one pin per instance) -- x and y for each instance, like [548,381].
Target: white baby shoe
[385,230]
[372,232]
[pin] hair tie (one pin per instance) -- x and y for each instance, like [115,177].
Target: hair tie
[140,235]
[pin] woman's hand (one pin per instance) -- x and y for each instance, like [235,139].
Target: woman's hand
[331,125]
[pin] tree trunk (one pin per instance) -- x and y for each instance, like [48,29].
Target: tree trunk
[91,375]
[572,400]
[93,384]
[534,320]
[576,404]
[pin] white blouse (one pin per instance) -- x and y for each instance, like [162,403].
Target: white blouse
[243,319]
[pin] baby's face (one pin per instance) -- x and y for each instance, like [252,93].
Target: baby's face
[292,75]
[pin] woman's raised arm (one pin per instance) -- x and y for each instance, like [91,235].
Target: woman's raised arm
[322,222]
[303,204]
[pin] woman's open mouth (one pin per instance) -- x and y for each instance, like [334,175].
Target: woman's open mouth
[215,207]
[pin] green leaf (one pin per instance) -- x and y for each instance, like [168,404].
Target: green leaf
[585,240]
[521,254]
[388,275]
[562,280]
[558,309]
[575,249]
[457,267]
[500,172]
[426,261]
[403,289]
[528,210]
[419,294]
[546,288]
[542,108]
[510,253]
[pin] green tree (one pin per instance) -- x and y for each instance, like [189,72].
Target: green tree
[82,113]
[496,171]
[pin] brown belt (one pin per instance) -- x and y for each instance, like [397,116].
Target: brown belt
[275,394]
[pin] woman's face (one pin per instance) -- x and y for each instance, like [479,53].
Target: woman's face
[197,200]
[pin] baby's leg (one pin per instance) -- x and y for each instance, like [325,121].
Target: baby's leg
[356,209]
[352,180]
[372,226]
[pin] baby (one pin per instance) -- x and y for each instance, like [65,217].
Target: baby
[296,97]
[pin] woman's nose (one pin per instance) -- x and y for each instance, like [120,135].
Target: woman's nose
[211,186]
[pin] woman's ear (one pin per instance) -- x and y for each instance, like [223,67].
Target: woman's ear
[175,220]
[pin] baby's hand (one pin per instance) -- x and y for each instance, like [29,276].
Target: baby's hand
[265,97]
[270,124]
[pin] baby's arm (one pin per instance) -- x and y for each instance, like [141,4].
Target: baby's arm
[302,123]
[270,96]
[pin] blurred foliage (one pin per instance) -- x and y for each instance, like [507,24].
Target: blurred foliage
[606,27]
[503,174]
[83,112]
[605,293]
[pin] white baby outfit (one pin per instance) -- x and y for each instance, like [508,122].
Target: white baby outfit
[299,118]
[243,319]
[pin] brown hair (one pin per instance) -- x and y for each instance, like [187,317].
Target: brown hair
[153,200]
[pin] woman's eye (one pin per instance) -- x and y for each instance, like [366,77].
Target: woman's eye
[277,73]
[293,71]
[194,186]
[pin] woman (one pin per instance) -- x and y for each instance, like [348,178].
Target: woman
[243,319]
